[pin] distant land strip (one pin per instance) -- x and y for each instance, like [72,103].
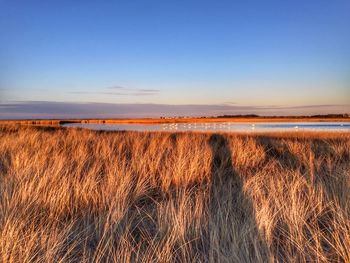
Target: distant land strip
[223,118]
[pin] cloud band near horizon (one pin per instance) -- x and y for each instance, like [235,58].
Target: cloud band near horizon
[62,110]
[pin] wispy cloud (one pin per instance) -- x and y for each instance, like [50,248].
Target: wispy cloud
[120,91]
[117,88]
[82,92]
[149,90]
[131,91]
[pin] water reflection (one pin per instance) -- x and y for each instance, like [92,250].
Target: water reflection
[220,126]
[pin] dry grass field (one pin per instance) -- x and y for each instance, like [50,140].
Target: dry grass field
[70,195]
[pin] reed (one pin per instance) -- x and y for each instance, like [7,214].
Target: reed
[71,195]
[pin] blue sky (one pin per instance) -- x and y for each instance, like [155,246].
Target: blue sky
[267,54]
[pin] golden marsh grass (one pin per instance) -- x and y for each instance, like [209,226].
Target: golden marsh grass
[71,195]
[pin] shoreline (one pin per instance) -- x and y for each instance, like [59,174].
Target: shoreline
[57,122]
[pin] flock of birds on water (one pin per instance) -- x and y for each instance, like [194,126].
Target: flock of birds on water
[209,126]
[227,126]
[222,126]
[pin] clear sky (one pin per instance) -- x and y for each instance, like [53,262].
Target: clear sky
[266,57]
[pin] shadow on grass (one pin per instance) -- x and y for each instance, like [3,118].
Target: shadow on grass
[234,235]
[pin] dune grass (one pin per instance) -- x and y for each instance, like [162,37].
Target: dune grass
[70,195]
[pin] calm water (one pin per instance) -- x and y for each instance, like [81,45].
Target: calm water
[220,126]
